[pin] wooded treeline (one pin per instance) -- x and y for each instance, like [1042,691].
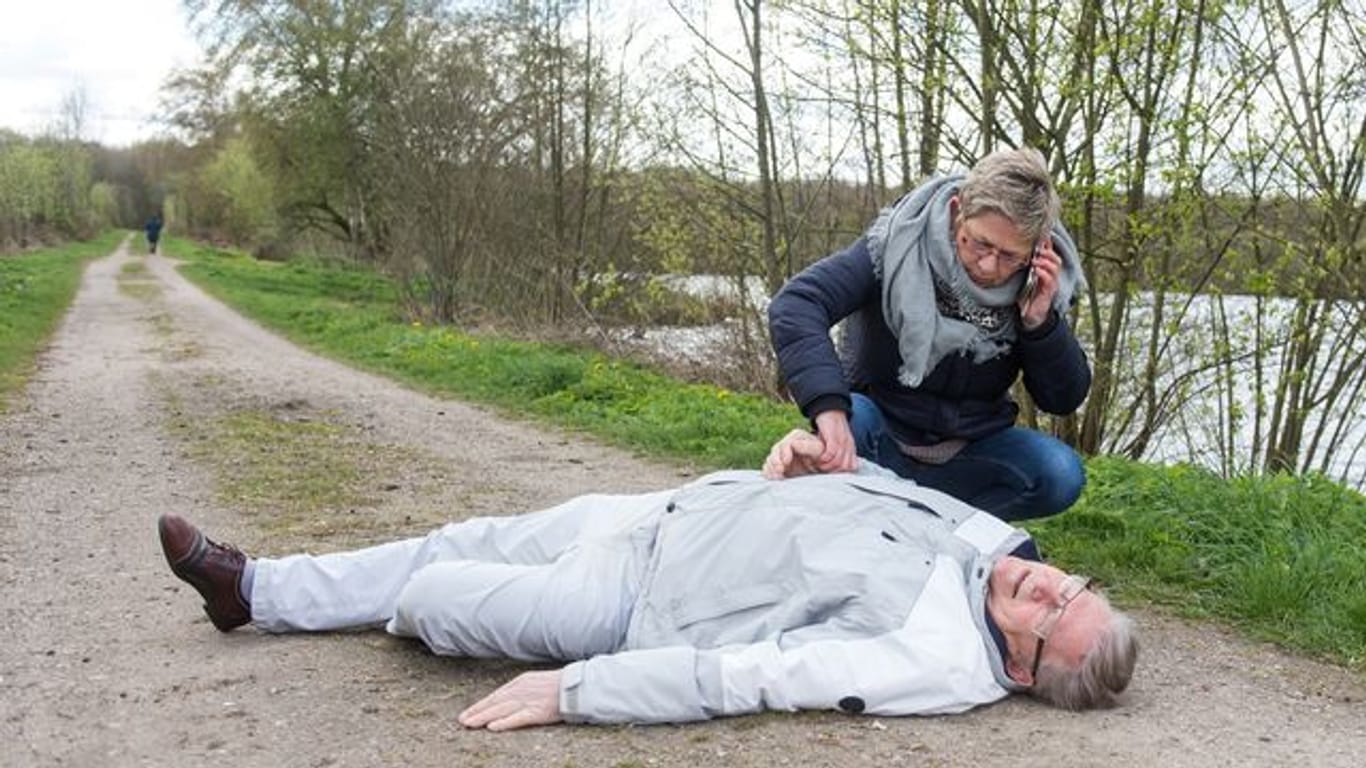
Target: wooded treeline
[535,159]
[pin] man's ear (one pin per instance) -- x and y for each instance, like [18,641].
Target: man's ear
[954,205]
[1018,672]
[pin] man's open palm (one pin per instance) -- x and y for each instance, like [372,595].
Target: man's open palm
[531,698]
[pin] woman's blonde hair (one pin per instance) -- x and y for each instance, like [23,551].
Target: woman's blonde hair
[1014,183]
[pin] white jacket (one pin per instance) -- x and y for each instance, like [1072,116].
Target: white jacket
[862,592]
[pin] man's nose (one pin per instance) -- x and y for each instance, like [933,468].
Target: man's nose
[1048,592]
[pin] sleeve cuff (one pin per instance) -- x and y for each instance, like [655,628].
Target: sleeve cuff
[825,403]
[1044,329]
[571,677]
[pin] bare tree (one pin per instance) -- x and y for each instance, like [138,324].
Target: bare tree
[1318,87]
[440,142]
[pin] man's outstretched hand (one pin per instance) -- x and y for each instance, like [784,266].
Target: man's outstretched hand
[531,698]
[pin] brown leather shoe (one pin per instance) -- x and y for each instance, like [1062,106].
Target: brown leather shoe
[213,569]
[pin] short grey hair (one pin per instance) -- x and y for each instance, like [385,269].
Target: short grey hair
[1014,183]
[1104,672]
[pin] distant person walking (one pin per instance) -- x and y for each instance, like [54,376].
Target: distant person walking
[153,228]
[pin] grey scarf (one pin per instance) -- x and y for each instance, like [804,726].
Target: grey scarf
[912,247]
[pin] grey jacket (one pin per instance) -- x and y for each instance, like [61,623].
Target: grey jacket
[860,592]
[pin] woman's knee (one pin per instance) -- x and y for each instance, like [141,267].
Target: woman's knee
[1061,477]
[867,424]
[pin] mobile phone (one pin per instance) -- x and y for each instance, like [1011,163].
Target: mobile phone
[1031,280]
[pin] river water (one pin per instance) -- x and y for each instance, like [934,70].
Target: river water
[1207,409]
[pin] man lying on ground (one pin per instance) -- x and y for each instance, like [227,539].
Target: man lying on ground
[738,592]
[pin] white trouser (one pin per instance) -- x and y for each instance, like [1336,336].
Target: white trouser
[556,584]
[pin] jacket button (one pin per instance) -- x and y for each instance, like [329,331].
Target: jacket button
[852,704]
[671,507]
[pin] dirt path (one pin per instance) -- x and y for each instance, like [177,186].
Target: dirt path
[108,661]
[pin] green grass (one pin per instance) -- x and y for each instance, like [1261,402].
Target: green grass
[35,290]
[352,316]
[1277,556]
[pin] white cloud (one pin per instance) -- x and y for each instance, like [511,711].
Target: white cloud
[118,52]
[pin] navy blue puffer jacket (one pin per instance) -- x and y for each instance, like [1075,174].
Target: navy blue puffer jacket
[958,399]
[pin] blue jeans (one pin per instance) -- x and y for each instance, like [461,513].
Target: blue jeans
[1015,474]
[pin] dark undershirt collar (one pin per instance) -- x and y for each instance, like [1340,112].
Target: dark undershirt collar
[1026,551]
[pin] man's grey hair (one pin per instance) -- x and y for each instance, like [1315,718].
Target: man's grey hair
[1103,673]
[1014,183]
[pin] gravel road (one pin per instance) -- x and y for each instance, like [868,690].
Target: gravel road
[107,659]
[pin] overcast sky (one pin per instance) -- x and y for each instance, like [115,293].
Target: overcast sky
[119,51]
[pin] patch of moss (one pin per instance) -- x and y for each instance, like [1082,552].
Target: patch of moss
[297,474]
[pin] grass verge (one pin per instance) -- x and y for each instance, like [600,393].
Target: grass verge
[352,316]
[1277,556]
[35,290]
